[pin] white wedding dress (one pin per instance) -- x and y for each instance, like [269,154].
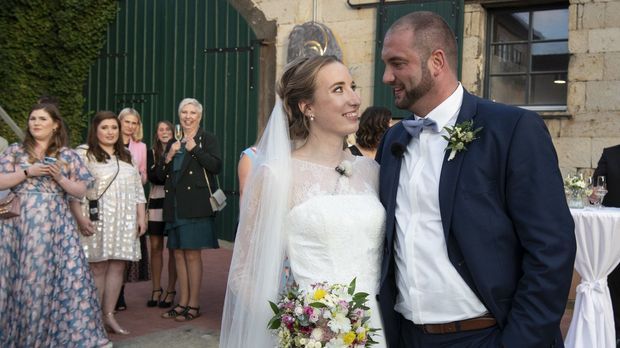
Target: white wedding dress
[329,226]
[335,228]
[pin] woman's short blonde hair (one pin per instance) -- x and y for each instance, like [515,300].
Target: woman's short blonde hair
[191,101]
[138,135]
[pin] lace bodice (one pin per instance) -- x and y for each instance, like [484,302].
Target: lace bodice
[335,227]
[311,180]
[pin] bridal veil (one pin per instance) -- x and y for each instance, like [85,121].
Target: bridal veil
[259,251]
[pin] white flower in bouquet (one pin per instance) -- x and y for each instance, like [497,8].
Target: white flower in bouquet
[336,343]
[340,323]
[574,182]
[317,334]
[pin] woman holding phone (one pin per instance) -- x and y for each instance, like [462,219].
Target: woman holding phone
[45,284]
[114,218]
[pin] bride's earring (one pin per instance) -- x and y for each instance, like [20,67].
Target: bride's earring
[311,117]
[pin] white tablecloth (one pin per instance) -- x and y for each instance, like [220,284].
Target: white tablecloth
[598,253]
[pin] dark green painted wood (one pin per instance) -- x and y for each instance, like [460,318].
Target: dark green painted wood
[451,11]
[155,56]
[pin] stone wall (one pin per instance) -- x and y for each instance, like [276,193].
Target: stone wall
[593,102]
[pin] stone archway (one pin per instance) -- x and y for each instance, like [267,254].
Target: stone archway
[265,30]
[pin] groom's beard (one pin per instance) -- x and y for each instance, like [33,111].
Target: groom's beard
[414,94]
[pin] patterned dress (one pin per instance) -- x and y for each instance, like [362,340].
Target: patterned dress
[47,295]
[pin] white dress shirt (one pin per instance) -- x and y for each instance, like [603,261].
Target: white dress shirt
[430,289]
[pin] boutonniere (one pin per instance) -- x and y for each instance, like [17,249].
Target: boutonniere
[459,136]
[345,168]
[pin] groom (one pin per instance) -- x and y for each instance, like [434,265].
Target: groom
[479,248]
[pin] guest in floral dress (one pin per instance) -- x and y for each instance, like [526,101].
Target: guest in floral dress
[47,294]
[111,236]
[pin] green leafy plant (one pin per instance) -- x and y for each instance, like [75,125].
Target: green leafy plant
[47,48]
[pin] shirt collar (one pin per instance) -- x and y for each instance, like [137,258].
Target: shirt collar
[446,112]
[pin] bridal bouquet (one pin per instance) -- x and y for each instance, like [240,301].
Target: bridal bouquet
[330,316]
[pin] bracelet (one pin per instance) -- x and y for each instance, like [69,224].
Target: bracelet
[26,173]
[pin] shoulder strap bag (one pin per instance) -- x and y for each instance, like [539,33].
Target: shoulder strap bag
[217,198]
[93,204]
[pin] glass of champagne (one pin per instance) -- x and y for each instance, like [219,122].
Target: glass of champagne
[600,190]
[178,132]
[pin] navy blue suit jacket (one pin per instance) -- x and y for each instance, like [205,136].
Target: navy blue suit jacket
[508,230]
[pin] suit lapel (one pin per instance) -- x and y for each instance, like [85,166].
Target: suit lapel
[450,170]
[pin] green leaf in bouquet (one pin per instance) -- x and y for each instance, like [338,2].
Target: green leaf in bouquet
[274,323]
[318,305]
[360,296]
[352,287]
[274,307]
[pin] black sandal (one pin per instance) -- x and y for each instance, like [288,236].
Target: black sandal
[187,316]
[151,302]
[165,304]
[173,313]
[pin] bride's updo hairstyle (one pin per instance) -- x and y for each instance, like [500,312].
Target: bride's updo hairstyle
[297,84]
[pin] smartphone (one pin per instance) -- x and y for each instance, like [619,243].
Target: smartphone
[49,160]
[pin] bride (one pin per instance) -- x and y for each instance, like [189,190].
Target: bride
[327,224]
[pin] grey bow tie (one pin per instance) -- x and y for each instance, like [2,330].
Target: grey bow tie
[414,127]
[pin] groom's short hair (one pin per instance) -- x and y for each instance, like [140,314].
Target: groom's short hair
[431,32]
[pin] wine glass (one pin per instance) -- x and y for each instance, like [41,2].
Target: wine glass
[178,132]
[600,190]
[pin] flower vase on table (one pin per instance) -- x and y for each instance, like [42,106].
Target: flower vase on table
[574,198]
[575,188]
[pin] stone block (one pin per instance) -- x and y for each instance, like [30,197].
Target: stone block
[604,40]
[575,17]
[578,41]
[554,127]
[355,30]
[611,69]
[612,14]
[573,152]
[592,124]
[602,95]
[336,11]
[594,15]
[576,97]
[473,21]
[586,67]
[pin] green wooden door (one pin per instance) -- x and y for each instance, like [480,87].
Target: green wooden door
[159,52]
[452,13]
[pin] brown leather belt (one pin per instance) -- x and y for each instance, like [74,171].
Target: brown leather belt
[478,323]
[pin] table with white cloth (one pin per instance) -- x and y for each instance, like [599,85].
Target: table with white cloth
[598,252]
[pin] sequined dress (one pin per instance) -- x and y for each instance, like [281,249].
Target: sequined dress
[115,237]
[47,294]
